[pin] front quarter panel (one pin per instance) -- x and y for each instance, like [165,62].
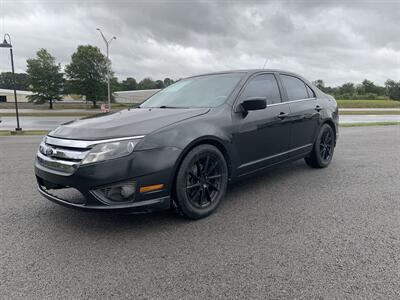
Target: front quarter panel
[215,126]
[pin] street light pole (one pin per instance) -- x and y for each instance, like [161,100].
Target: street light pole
[6,44]
[107,42]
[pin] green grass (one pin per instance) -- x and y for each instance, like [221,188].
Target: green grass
[369,112]
[369,124]
[25,132]
[368,104]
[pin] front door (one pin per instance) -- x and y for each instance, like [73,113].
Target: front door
[261,137]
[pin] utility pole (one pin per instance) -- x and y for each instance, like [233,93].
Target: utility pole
[107,42]
[8,44]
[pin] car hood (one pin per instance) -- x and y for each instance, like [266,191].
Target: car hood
[139,121]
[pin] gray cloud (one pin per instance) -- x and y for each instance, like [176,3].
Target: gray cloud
[337,41]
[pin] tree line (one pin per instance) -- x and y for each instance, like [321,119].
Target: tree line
[364,90]
[85,75]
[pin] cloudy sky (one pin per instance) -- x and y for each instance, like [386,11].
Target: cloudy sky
[337,41]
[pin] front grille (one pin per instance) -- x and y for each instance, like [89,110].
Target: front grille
[61,154]
[66,155]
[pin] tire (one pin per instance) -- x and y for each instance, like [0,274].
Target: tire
[201,182]
[322,152]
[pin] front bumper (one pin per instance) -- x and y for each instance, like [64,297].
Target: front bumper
[145,168]
[136,207]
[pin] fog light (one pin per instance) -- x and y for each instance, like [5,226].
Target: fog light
[127,191]
[117,193]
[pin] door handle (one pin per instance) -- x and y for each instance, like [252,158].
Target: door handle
[282,115]
[318,108]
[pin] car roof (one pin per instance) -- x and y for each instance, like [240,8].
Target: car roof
[250,72]
[247,71]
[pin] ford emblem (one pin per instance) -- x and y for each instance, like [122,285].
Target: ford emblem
[49,152]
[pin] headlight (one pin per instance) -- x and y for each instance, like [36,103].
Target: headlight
[111,150]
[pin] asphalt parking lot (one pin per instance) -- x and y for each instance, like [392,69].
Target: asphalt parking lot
[293,232]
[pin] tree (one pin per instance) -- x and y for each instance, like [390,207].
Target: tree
[393,89]
[45,78]
[368,86]
[168,81]
[129,84]
[347,88]
[319,83]
[21,81]
[147,84]
[87,72]
[115,85]
[159,84]
[360,89]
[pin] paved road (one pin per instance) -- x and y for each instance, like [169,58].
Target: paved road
[69,110]
[48,123]
[293,232]
[368,118]
[34,123]
[369,109]
[48,111]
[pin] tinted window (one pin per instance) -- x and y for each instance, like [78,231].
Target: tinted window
[311,93]
[296,89]
[264,86]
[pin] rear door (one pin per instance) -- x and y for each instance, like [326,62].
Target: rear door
[304,113]
[262,136]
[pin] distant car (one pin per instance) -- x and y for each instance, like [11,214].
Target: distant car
[184,144]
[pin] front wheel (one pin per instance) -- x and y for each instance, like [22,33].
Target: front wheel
[201,182]
[322,153]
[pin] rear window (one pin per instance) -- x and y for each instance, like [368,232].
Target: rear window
[295,88]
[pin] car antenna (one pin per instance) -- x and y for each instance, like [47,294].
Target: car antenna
[266,60]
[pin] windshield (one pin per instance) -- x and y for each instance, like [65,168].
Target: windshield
[202,91]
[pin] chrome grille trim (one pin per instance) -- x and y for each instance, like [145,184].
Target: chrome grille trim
[56,164]
[84,144]
[66,155]
[62,153]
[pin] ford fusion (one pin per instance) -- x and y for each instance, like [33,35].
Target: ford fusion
[182,146]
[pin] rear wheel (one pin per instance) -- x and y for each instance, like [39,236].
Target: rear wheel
[201,182]
[322,153]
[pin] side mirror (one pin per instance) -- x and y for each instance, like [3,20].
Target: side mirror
[254,104]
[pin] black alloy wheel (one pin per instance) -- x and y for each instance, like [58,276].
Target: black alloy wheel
[201,182]
[322,153]
[326,145]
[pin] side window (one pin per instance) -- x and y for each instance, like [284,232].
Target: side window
[263,85]
[311,93]
[295,88]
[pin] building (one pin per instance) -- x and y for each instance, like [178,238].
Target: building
[22,96]
[136,96]
[8,95]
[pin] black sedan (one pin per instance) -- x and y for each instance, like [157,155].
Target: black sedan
[182,146]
